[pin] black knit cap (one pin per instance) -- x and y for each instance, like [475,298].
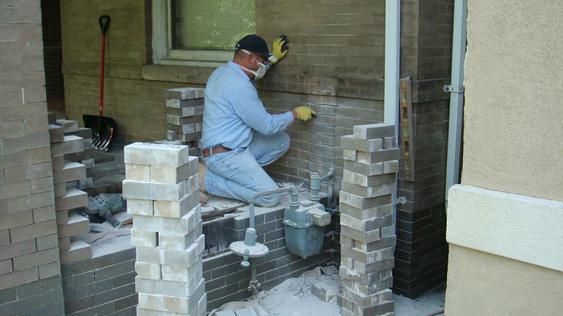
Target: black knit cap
[254,43]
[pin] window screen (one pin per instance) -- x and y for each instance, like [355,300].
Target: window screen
[211,24]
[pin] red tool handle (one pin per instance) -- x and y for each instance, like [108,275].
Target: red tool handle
[104,24]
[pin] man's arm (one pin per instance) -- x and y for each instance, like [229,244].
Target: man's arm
[250,109]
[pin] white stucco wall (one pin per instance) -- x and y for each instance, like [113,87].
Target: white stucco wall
[513,134]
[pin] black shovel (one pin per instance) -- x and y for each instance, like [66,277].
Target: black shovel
[103,128]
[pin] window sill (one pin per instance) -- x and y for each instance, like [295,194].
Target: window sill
[192,72]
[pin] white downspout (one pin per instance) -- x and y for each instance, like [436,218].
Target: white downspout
[456,91]
[392,63]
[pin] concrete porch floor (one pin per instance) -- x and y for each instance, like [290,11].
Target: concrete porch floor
[315,294]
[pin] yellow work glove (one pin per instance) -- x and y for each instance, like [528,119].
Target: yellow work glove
[303,113]
[279,49]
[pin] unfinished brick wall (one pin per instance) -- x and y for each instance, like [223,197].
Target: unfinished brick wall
[30,279]
[421,253]
[336,63]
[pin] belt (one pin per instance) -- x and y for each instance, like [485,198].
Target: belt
[206,152]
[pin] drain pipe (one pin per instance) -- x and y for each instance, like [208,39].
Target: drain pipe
[456,91]
[392,63]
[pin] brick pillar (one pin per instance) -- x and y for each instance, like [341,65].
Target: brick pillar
[162,193]
[367,239]
[184,115]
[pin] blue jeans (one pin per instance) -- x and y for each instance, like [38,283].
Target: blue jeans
[238,174]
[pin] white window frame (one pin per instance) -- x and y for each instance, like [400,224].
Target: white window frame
[162,50]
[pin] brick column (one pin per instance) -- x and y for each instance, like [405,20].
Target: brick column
[367,240]
[162,193]
[184,115]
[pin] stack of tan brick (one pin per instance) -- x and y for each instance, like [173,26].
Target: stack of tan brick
[184,115]
[162,191]
[367,238]
[69,223]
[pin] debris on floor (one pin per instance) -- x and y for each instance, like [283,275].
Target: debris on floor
[315,293]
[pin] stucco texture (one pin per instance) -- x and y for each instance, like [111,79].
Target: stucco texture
[513,111]
[483,284]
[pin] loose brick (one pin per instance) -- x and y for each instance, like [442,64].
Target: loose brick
[368,191]
[56,133]
[367,224]
[352,143]
[349,154]
[138,172]
[363,236]
[194,273]
[68,126]
[62,217]
[183,225]
[64,244]
[140,207]
[162,287]
[159,191]
[72,144]
[366,257]
[377,298]
[74,198]
[148,254]
[168,174]
[385,242]
[142,238]
[363,214]
[371,131]
[172,241]
[371,169]
[175,209]
[156,154]
[367,181]
[185,93]
[73,171]
[383,265]
[379,156]
[76,225]
[186,257]
[147,270]
[362,202]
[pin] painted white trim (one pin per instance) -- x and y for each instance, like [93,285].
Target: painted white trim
[515,226]
[162,43]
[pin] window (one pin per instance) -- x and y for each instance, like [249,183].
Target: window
[199,32]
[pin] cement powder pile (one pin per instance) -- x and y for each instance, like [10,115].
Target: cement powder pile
[296,296]
[293,297]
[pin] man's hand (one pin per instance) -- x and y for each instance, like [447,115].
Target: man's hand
[303,113]
[279,49]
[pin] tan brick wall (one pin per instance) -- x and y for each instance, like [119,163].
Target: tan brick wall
[28,232]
